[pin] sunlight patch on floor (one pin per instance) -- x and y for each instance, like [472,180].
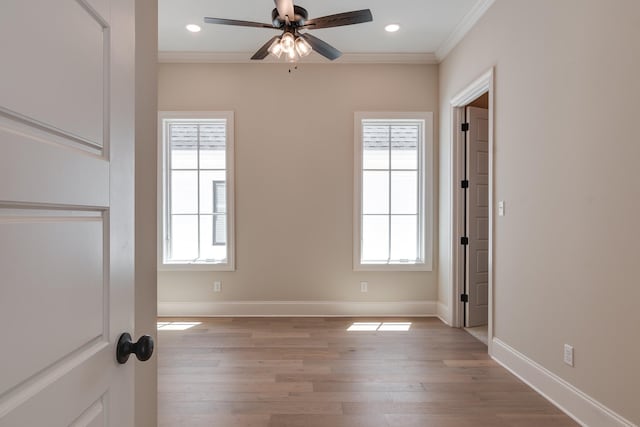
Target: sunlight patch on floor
[176,326]
[377,326]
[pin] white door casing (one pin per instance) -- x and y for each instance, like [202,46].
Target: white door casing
[66,211]
[477,270]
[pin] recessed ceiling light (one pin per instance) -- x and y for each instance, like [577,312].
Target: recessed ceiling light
[392,28]
[193,28]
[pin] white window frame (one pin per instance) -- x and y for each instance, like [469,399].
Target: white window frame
[163,151]
[426,181]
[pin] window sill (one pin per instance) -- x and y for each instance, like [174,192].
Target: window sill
[392,267]
[196,267]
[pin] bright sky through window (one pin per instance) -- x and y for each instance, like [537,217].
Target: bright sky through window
[393,188]
[391,205]
[198,190]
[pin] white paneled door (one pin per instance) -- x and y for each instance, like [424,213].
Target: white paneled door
[66,211]
[478,217]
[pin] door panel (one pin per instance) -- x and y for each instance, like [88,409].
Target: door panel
[57,63]
[66,211]
[478,216]
[482,162]
[94,416]
[52,169]
[73,295]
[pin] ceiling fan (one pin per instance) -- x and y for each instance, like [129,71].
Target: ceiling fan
[291,19]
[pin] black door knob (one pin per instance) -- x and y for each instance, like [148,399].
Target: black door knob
[143,349]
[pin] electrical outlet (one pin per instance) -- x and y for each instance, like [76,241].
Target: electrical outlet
[217,286]
[364,286]
[568,354]
[501,208]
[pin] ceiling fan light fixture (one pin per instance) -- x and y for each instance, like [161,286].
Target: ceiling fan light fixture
[276,48]
[193,28]
[303,47]
[290,19]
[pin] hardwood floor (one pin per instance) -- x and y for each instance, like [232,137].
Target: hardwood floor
[312,372]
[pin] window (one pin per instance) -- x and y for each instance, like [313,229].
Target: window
[197,188]
[393,191]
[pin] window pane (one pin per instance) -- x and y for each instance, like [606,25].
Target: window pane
[404,192]
[183,140]
[219,197]
[184,192]
[207,179]
[213,140]
[184,237]
[208,250]
[375,192]
[219,229]
[404,146]
[375,239]
[404,238]
[375,153]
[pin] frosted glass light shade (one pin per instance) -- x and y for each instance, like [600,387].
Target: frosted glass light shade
[287,42]
[303,47]
[292,55]
[276,48]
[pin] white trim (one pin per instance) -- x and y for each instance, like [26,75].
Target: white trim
[581,407]
[474,89]
[443,313]
[484,83]
[461,30]
[230,168]
[297,309]
[347,58]
[427,176]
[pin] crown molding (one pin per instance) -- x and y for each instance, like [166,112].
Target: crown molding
[463,28]
[347,58]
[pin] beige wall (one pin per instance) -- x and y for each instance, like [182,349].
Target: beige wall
[145,190]
[567,94]
[294,176]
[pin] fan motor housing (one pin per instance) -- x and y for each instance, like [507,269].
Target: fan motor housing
[301,16]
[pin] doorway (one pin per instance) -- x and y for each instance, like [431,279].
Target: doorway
[476,217]
[472,208]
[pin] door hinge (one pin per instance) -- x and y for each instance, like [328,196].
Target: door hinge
[464,240]
[464,184]
[464,127]
[464,297]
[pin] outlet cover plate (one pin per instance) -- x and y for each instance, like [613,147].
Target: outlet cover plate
[568,354]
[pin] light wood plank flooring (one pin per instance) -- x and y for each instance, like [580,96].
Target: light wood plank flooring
[312,372]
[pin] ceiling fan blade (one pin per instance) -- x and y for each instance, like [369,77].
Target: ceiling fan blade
[238,23]
[323,48]
[346,18]
[285,8]
[264,50]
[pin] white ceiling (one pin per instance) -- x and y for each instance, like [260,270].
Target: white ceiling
[426,25]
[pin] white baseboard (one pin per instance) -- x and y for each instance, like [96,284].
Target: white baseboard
[297,309]
[444,313]
[575,403]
